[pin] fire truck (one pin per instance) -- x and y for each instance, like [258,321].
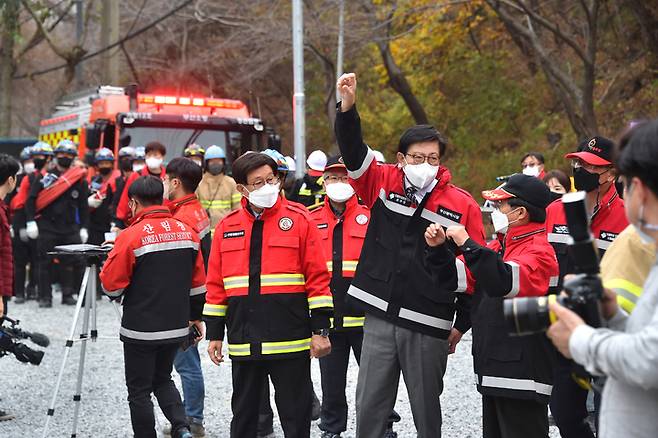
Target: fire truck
[114,117]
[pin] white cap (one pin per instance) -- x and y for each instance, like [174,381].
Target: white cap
[292,166]
[317,160]
[379,156]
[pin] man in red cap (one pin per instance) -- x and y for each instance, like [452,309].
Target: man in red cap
[593,172]
[514,373]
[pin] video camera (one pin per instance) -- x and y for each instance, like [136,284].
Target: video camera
[584,292]
[9,336]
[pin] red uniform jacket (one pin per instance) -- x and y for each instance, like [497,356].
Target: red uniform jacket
[608,220]
[156,264]
[188,210]
[264,277]
[523,264]
[6,254]
[122,208]
[342,240]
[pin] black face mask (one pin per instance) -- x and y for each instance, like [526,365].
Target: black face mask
[64,162]
[215,168]
[555,196]
[104,170]
[126,165]
[584,180]
[39,163]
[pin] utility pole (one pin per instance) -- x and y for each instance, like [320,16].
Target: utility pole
[299,120]
[110,35]
[341,43]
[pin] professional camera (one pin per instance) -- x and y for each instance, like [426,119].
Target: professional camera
[584,292]
[9,336]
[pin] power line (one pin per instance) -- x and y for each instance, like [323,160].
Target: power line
[111,46]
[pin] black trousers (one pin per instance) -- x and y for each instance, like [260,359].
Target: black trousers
[569,403]
[333,372]
[25,253]
[148,370]
[292,393]
[69,267]
[504,417]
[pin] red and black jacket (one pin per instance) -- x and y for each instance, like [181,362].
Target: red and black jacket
[188,210]
[523,264]
[267,283]
[6,253]
[157,266]
[342,240]
[392,280]
[607,221]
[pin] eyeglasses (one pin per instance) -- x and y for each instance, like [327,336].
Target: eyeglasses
[271,180]
[334,179]
[576,163]
[420,159]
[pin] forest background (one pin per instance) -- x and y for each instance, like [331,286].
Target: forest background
[497,77]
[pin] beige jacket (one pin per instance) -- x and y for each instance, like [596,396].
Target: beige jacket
[219,196]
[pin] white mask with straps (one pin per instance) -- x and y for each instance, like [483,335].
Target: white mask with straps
[420,175]
[265,197]
[340,191]
[531,170]
[500,221]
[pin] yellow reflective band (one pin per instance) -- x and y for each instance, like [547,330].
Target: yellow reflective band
[353,321]
[331,322]
[265,280]
[236,197]
[620,283]
[305,192]
[239,349]
[286,346]
[551,316]
[625,304]
[214,309]
[317,302]
[216,204]
[348,265]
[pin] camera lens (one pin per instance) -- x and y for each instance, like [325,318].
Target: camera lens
[529,315]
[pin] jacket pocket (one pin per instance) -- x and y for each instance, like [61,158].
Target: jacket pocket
[232,245]
[359,232]
[233,256]
[285,249]
[508,350]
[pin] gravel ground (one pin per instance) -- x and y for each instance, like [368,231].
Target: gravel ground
[27,390]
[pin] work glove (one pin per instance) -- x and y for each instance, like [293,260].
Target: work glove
[22,234]
[32,230]
[94,201]
[84,235]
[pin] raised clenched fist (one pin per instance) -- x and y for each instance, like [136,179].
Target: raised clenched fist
[346,86]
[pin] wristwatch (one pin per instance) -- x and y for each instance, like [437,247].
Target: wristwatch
[322,332]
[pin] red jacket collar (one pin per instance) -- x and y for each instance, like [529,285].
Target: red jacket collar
[607,200]
[266,212]
[152,211]
[145,172]
[175,205]
[515,235]
[350,205]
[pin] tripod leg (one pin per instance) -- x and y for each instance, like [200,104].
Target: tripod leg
[67,351]
[90,299]
[92,292]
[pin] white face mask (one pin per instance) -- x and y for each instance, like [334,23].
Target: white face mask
[138,167]
[265,197]
[153,162]
[339,192]
[28,167]
[420,175]
[500,221]
[642,225]
[531,170]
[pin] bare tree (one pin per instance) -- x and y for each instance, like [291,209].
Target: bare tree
[9,34]
[547,30]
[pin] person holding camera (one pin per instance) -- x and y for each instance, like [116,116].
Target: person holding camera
[593,173]
[626,351]
[514,374]
[157,267]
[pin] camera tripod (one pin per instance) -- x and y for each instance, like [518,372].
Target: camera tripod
[87,298]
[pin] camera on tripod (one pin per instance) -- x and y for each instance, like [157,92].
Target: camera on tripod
[584,292]
[9,343]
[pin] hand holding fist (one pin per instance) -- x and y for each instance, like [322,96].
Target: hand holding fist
[434,235]
[346,86]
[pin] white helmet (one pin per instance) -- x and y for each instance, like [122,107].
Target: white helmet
[292,166]
[379,156]
[317,160]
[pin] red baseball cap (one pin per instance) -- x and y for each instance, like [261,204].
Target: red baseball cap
[597,151]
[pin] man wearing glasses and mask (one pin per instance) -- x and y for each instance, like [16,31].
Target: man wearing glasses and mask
[410,323]
[593,172]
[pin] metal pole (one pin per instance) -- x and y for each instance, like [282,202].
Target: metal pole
[298,75]
[341,43]
[79,23]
